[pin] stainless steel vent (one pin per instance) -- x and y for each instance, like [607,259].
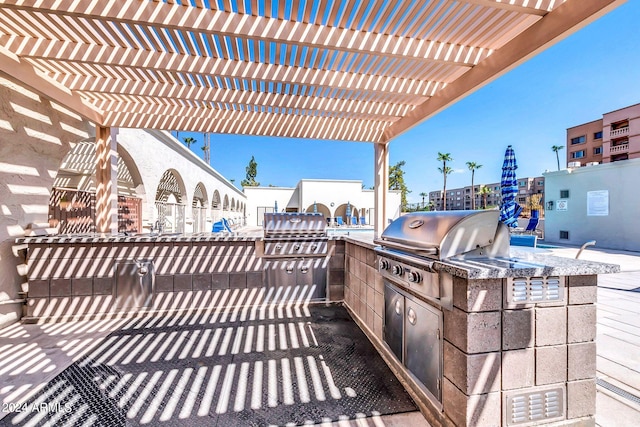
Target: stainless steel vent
[533,407]
[532,290]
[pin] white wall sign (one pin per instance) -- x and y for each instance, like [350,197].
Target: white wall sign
[598,203]
[562,205]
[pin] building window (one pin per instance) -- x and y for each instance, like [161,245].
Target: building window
[577,154]
[578,140]
[540,183]
[564,194]
[522,199]
[564,235]
[458,193]
[522,183]
[597,135]
[597,150]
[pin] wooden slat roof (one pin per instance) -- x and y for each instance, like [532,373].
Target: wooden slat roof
[331,69]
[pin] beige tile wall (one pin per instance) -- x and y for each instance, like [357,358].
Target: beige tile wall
[364,288]
[80,279]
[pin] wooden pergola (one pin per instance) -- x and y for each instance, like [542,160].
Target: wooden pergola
[345,70]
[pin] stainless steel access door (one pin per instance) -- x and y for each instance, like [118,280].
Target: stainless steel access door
[423,347]
[393,320]
[296,279]
[135,283]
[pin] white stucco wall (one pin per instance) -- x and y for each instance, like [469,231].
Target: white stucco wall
[35,135]
[620,229]
[154,152]
[325,192]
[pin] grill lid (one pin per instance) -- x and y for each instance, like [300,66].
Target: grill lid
[294,224]
[447,234]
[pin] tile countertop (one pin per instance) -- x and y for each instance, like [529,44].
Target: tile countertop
[235,236]
[238,236]
[523,262]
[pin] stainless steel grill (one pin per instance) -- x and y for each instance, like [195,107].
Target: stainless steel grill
[296,249]
[415,293]
[441,235]
[294,224]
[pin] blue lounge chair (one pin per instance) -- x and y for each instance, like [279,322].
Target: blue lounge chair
[354,220]
[363,221]
[339,221]
[222,225]
[523,240]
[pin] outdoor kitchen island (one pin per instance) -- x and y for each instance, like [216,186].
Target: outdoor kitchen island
[512,343]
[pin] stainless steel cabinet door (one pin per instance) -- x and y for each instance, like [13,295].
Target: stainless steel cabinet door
[393,319]
[320,267]
[423,346]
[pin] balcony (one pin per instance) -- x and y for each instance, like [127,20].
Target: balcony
[619,132]
[622,148]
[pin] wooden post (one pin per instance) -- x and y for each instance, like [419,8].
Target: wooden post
[381,168]
[106,181]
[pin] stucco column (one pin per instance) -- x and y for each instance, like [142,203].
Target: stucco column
[381,170]
[106,180]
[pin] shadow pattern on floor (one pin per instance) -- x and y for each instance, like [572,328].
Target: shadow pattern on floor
[275,367]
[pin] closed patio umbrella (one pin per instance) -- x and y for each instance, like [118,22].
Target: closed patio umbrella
[509,208]
[275,207]
[315,207]
[348,212]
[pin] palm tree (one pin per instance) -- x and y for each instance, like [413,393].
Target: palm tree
[423,196]
[188,141]
[472,167]
[484,192]
[444,170]
[555,149]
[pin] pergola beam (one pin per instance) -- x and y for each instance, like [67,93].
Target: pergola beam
[215,22]
[215,113]
[299,105]
[509,6]
[70,53]
[563,21]
[15,67]
[257,123]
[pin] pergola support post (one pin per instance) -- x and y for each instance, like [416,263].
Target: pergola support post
[106,180]
[381,168]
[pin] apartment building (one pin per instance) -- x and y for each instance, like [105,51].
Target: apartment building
[460,198]
[613,138]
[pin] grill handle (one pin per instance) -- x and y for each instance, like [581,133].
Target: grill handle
[407,248]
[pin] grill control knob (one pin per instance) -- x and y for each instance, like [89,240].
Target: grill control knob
[415,277]
[384,264]
[397,270]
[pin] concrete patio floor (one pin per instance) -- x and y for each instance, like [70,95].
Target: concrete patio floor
[32,355]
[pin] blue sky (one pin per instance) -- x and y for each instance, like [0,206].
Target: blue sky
[594,71]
